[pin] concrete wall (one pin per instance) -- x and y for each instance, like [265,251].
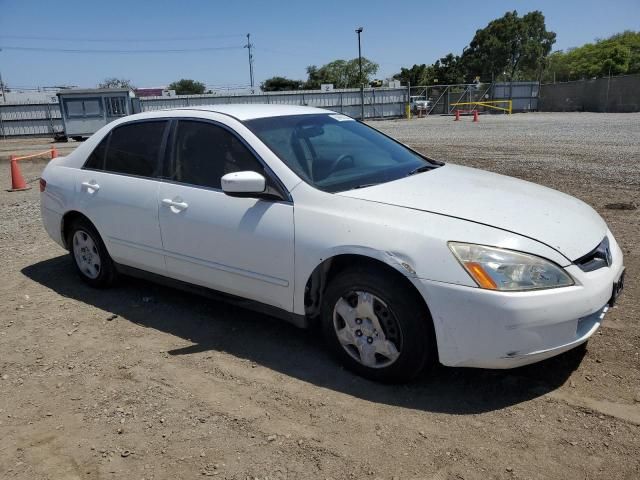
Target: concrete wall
[30,119]
[615,94]
[44,119]
[379,102]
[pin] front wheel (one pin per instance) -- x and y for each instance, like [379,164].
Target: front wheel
[376,326]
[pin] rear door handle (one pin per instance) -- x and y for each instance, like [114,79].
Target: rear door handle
[174,204]
[91,185]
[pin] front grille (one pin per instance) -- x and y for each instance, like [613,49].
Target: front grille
[597,258]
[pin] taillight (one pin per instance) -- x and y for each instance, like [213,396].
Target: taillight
[43,184]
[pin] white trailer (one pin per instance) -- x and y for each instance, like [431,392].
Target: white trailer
[85,111]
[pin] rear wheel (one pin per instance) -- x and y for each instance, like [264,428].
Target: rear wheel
[376,326]
[92,261]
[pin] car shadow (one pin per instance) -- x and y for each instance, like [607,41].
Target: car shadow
[218,326]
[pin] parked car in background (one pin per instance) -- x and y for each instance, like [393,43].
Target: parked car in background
[312,216]
[418,104]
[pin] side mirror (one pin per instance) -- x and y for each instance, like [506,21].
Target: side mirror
[243,184]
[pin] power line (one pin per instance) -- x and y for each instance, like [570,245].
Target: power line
[281,52]
[89,50]
[213,86]
[119,39]
[230,85]
[314,55]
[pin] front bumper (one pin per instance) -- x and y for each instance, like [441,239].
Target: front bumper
[490,329]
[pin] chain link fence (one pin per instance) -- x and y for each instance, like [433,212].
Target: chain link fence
[443,97]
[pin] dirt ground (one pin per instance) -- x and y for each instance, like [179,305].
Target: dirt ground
[141,381]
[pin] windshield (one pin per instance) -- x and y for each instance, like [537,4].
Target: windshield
[335,153]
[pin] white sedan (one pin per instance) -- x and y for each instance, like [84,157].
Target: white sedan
[314,217]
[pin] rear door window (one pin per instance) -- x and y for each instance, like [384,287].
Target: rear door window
[134,149]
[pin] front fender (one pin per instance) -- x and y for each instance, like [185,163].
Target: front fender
[412,242]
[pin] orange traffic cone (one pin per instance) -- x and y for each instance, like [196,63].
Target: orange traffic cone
[457,116]
[475,115]
[54,152]
[17,181]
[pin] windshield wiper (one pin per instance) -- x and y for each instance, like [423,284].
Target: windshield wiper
[364,185]
[421,169]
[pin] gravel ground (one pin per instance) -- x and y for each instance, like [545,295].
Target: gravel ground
[141,381]
[593,146]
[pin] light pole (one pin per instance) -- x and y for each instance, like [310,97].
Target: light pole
[359,31]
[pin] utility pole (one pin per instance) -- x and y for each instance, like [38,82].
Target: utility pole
[4,97]
[359,31]
[249,46]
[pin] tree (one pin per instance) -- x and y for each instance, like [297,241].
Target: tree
[513,46]
[416,75]
[448,70]
[615,55]
[341,73]
[188,87]
[510,47]
[114,82]
[335,72]
[313,78]
[556,66]
[630,40]
[278,84]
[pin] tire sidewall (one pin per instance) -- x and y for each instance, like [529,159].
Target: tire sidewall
[411,314]
[107,270]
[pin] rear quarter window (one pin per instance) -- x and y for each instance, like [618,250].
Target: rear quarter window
[96,159]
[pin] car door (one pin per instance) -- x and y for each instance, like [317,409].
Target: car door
[241,246]
[118,190]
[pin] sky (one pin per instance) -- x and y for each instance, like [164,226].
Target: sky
[207,36]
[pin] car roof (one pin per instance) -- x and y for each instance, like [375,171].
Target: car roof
[249,111]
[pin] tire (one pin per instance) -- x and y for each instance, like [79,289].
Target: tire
[398,311]
[93,264]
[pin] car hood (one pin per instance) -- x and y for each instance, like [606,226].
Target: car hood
[560,221]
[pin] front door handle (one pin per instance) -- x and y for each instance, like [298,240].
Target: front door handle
[176,204]
[91,185]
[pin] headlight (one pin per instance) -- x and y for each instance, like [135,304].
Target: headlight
[499,269]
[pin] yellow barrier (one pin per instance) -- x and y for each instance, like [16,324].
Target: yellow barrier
[489,104]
